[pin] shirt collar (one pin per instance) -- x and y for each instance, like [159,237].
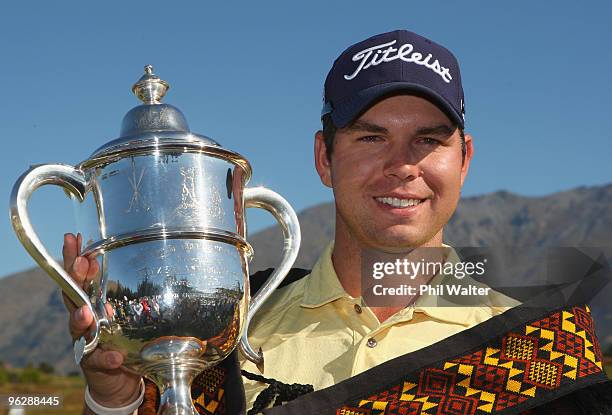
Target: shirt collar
[441,309]
[323,286]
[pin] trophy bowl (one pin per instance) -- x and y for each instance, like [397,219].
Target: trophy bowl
[162,211]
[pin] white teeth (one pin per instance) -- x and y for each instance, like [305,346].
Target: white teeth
[400,203]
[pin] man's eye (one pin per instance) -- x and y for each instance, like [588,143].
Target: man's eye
[429,141]
[370,138]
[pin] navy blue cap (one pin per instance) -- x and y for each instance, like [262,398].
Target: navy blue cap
[392,62]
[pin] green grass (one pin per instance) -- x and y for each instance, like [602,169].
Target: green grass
[70,389]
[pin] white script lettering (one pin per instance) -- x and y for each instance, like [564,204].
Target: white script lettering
[376,55]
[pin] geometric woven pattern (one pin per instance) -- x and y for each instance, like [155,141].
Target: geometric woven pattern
[207,392]
[523,366]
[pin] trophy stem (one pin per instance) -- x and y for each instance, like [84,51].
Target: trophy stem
[175,390]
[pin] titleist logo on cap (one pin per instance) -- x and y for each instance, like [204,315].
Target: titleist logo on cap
[375,55]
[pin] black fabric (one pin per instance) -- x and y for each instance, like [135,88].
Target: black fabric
[258,279]
[235,402]
[593,400]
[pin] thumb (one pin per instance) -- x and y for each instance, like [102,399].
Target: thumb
[103,360]
[80,320]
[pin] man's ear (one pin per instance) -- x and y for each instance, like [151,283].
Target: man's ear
[469,153]
[322,163]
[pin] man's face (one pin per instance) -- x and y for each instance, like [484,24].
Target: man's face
[396,173]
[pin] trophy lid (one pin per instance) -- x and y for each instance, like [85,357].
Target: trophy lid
[153,123]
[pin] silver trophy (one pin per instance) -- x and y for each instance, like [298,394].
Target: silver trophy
[162,210]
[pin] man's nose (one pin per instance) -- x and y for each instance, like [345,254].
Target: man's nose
[402,165]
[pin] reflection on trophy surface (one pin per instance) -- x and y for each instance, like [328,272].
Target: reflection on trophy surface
[162,211]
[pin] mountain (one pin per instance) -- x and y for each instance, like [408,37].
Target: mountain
[33,321]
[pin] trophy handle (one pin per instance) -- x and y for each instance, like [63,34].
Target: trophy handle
[274,203]
[73,181]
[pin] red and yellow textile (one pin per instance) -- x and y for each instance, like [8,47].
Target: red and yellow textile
[527,365]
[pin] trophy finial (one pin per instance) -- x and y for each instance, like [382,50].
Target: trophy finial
[150,88]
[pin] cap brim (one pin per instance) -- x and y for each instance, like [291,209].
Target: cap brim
[344,112]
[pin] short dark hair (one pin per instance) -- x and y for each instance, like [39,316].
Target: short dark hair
[329,133]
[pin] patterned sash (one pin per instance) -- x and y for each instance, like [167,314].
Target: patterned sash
[524,358]
[526,367]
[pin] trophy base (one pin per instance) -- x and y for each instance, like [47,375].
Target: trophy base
[174,362]
[174,384]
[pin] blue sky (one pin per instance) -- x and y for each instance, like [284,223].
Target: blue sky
[536,77]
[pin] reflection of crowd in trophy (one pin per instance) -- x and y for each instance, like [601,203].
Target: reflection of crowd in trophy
[138,311]
[174,305]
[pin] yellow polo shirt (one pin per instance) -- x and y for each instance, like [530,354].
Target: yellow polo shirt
[313,332]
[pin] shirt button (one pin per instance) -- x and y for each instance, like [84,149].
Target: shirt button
[372,342]
[357,308]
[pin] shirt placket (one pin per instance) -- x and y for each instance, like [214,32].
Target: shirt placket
[369,342]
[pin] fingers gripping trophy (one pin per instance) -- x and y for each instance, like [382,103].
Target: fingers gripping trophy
[162,211]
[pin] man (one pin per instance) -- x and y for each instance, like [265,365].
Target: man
[394,151]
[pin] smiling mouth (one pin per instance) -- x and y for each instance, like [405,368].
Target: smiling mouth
[399,203]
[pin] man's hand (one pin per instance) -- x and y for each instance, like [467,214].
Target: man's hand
[110,384]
